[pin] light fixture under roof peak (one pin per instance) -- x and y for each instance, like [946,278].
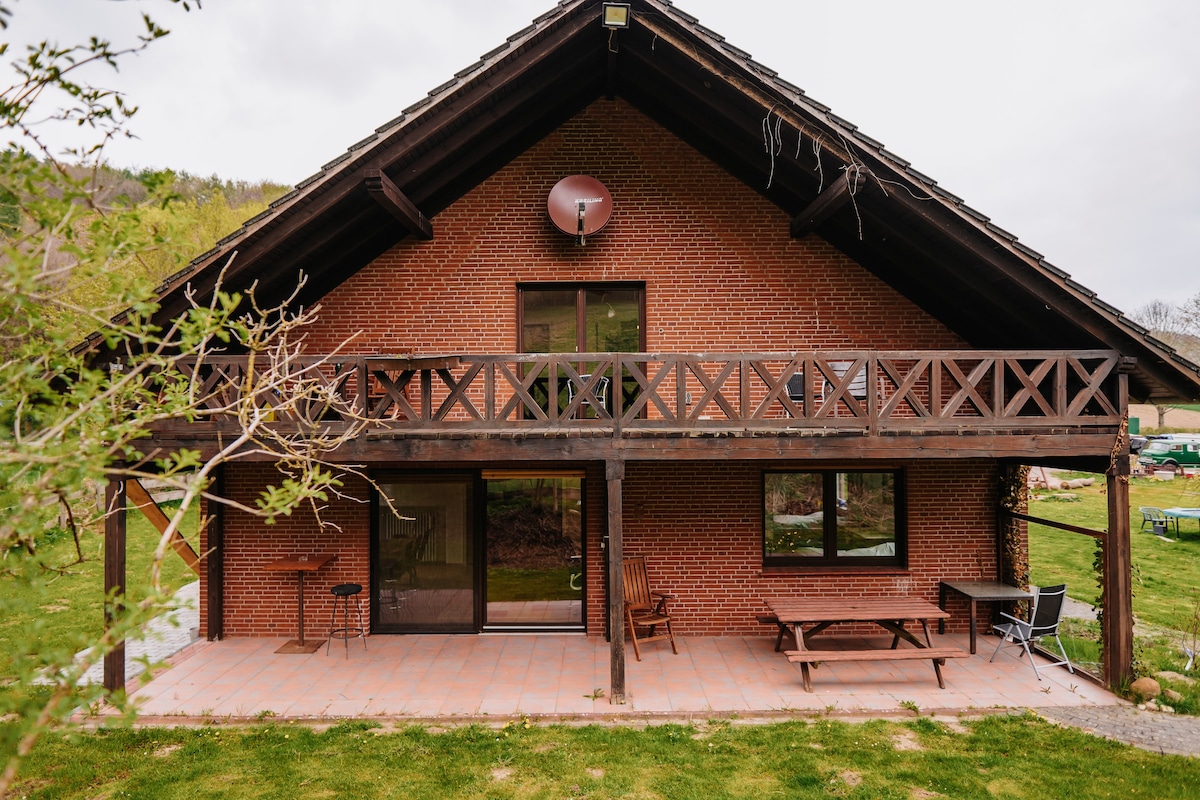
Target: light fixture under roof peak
[615,15]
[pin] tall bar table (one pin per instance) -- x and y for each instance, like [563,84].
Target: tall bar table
[300,565]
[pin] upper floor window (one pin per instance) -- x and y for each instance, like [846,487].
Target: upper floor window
[833,517]
[582,317]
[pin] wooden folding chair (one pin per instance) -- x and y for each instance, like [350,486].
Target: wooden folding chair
[644,608]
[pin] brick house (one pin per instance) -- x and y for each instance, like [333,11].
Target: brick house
[780,319]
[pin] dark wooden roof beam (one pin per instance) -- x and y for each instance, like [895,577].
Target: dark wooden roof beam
[394,201]
[836,195]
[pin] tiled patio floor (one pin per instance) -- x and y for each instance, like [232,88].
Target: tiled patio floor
[431,676]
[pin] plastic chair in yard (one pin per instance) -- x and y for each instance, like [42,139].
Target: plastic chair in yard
[1047,612]
[1157,520]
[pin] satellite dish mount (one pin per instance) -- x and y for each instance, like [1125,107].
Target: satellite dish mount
[579,206]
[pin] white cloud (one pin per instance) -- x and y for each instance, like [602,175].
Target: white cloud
[1071,123]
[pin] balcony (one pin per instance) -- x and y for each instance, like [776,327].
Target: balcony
[630,396]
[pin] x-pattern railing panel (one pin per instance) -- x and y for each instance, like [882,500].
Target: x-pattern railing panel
[870,391]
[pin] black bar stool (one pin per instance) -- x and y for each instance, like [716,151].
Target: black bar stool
[344,591]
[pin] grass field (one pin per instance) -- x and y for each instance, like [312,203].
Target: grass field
[1019,756]
[69,613]
[1166,572]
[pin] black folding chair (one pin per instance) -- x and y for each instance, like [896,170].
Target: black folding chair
[1047,612]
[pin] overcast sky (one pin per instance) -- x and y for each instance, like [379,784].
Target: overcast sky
[1074,124]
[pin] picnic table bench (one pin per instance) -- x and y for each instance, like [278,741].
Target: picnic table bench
[889,613]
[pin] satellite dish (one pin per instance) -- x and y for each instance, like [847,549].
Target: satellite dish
[579,206]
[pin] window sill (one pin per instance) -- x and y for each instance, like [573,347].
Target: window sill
[826,569]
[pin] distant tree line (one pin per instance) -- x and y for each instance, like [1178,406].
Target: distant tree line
[1174,324]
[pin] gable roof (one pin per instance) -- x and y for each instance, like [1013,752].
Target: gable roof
[827,176]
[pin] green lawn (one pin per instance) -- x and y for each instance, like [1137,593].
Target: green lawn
[989,757]
[69,612]
[1165,573]
[518,585]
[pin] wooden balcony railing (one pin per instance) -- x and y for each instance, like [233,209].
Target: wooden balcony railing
[623,394]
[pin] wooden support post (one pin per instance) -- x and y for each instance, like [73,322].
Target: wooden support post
[1118,562]
[215,560]
[114,577]
[615,473]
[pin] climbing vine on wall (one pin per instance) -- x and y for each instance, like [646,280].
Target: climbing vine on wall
[1014,496]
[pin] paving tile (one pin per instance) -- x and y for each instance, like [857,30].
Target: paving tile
[432,675]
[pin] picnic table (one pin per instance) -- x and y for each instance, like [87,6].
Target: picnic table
[1181,513]
[889,613]
[974,591]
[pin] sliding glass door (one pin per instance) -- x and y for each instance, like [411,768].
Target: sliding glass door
[457,553]
[425,574]
[534,576]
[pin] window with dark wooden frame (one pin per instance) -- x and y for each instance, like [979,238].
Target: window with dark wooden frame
[834,517]
[582,317]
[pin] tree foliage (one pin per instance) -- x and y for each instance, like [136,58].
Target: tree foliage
[86,372]
[1174,324]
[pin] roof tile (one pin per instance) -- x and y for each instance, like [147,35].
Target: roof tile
[765,70]
[845,123]
[277,202]
[1077,286]
[791,87]
[1029,251]
[361,143]
[465,71]
[938,190]
[1137,326]
[966,209]
[392,123]
[336,161]
[878,145]
[736,51]
[443,87]
[424,101]
[266,212]
[495,51]
[521,34]
[1062,273]
[921,176]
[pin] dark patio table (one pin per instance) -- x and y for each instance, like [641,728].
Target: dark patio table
[974,591]
[300,565]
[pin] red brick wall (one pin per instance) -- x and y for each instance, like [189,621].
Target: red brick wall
[264,603]
[700,527]
[698,524]
[721,272]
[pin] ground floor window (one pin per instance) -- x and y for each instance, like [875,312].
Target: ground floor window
[838,517]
